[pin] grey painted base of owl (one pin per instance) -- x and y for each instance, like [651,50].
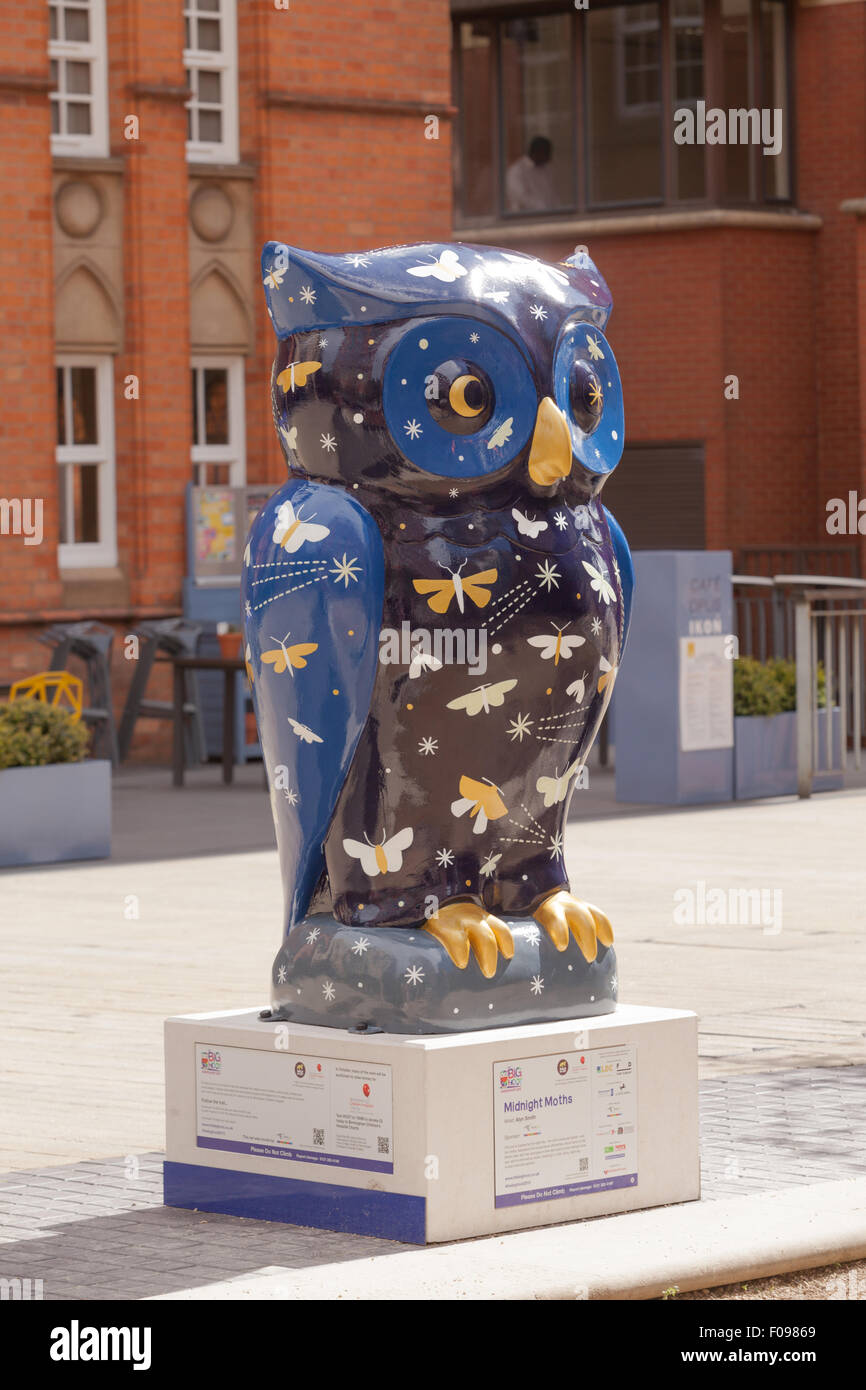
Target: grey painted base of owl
[401,980]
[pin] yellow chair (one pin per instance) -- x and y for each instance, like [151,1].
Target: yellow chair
[60,685]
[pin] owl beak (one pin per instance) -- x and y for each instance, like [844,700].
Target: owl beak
[550,454]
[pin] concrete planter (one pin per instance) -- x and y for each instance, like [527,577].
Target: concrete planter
[60,811]
[765,755]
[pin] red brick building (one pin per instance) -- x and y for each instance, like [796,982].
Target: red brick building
[149,147]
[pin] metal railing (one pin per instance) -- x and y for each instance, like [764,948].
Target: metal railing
[829,631]
[819,623]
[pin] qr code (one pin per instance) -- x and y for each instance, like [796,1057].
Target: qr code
[384,1145]
[584,1165]
[319,1137]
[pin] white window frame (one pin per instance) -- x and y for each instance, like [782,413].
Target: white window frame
[225,62]
[101,553]
[95,54]
[627,26]
[235,452]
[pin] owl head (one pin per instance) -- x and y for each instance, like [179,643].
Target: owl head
[410,367]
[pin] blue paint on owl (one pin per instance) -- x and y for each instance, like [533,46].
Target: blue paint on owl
[410,378]
[310,716]
[448,416]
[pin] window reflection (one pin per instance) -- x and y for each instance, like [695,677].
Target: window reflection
[538,102]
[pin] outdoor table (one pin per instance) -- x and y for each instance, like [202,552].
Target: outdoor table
[230,666]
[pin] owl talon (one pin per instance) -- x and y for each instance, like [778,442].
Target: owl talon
[464,926]
[562,915]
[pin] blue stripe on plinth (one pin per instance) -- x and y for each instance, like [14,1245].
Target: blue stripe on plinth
[264,1197]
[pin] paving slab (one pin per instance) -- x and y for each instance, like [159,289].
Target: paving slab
[102,1225]
[97,955]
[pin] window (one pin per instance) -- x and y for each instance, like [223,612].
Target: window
[85,462]
[77,60]
[623,82]
[210,57]
[568,112]
[218,430]
[537,108]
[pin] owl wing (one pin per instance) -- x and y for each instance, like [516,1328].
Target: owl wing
[329,594]
[626,573]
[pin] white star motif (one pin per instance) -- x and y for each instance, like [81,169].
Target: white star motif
[357,261]
[473,337]
[328,443]
[555,845]
[520,726]
[248,608]
[489,866]
[360,945]
[537,984]
[595,626]
[613,984]
[413,429]
[538,312]
[594,348]
[308,294]
[345,570]
[453,492]
[561,520]
[414,975]
[428,746]
[323,342]
[532,935]
[444,857]
[328,991]
[313,937]
[291,796]
[281,975]
[548,575]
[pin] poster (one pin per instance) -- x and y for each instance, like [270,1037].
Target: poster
[706,694]
[285,1105]
[216,529]
[565,1124]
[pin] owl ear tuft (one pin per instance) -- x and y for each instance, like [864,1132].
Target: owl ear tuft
[586,277]
[308,290]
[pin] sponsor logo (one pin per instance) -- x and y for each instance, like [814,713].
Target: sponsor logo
[510,1078]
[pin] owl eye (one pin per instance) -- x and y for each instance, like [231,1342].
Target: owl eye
[459,396]
[586,395]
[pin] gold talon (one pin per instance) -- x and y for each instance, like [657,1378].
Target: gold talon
[459,926]
[561,914]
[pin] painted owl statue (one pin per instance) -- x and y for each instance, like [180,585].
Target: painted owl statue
[436,603]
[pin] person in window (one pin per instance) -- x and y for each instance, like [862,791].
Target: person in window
[529,181]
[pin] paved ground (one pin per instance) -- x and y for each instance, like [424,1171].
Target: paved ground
[99,1230]
[97,955]
[185,917]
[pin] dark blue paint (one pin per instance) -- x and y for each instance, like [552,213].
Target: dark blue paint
[261,1197]
[403,499]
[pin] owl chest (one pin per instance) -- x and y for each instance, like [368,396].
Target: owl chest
[499,620]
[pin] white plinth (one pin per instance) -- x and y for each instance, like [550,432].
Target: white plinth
[434,1138]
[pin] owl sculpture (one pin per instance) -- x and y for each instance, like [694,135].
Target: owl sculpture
[436,603]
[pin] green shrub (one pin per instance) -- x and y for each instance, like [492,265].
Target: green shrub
[33,734]
[769,687]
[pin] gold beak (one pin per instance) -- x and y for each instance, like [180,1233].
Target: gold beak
[550,455]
